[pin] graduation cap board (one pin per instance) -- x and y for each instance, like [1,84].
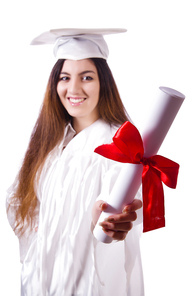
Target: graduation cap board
[77,44]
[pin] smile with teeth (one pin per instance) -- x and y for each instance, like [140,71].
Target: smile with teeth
[76,100]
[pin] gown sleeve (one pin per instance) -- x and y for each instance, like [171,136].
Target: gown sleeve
[108,182]
[118,264]
[29,235]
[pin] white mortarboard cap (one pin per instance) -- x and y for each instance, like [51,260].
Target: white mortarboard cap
[77,44]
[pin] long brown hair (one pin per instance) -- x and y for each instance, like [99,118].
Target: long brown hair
[49,130]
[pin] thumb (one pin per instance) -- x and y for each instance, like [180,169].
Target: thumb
[98,207]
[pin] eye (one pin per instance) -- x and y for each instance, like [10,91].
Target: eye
[87,78]
[64,78]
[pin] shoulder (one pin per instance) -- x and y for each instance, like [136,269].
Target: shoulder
[98,133]
[103,131]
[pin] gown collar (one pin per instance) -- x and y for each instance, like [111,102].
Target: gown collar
[84,139]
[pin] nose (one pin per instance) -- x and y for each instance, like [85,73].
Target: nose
[74,86]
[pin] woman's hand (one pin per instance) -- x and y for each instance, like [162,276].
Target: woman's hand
[117,226]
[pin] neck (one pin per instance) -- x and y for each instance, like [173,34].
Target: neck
[81,123]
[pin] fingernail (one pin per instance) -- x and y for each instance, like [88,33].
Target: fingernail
[101,205]
[125,210]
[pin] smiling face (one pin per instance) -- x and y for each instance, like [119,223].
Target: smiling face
[78,89]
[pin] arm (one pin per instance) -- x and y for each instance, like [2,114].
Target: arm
[29,235]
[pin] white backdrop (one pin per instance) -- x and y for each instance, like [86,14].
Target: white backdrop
[159,49]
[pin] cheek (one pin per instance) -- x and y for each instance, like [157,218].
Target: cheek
[61,90]
[95,91]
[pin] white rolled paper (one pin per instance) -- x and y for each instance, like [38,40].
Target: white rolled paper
[158,122]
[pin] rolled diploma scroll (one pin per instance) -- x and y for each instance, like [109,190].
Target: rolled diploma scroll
[164,110]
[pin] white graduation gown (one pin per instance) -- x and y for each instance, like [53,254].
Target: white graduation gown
[63,258]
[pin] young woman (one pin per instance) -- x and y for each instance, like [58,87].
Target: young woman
[63,186]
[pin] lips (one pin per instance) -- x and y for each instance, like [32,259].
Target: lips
[76,100]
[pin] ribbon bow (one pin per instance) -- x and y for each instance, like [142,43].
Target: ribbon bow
[127,147]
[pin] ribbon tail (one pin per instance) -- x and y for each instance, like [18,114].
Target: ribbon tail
[153,200]
[167,168]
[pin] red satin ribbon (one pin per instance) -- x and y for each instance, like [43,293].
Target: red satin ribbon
[127,147]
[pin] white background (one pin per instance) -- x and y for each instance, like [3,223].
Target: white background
[159,49]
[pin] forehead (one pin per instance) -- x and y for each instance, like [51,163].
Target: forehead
[72,66]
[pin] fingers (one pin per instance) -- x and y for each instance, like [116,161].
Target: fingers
[126,226]
[121,218]
[134,206]
[120,222]
[98,207]
[120,235]
[103,206]
[117,226]
[128,214]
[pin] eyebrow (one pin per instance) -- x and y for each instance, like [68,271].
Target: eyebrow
[82,73]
